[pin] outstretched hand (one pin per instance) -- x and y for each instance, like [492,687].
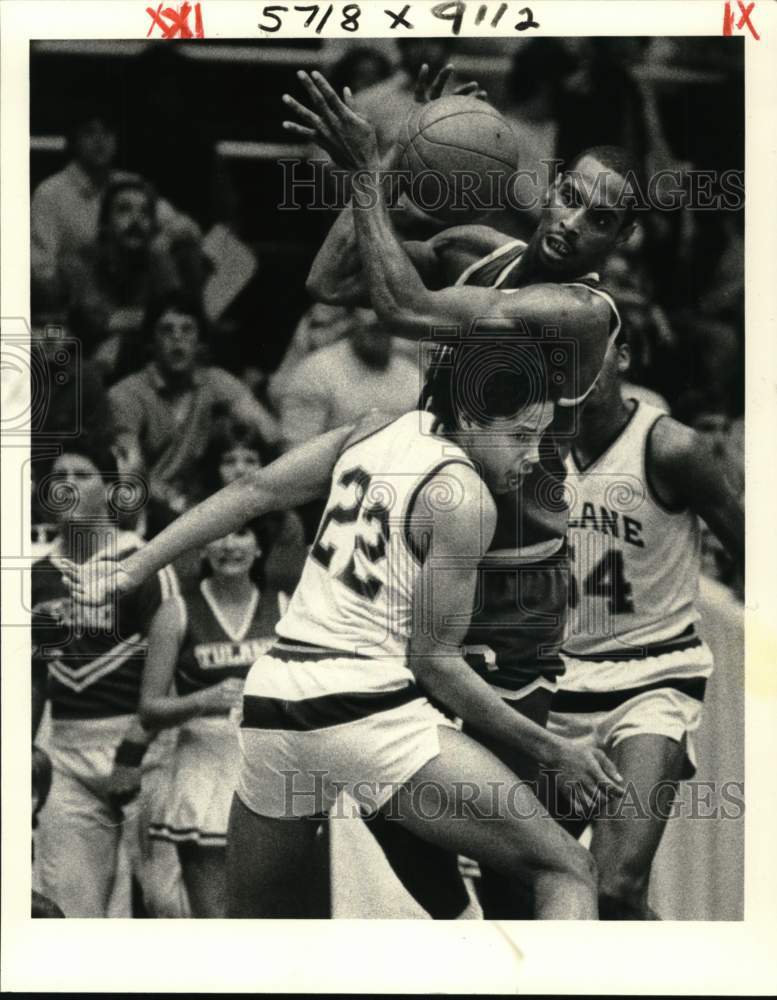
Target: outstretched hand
[334,124]
[96,582]
[426,92]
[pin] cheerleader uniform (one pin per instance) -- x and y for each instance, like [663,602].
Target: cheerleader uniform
[203,773]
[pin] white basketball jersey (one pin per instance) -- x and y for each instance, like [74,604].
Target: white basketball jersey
[356,589]
[635,562]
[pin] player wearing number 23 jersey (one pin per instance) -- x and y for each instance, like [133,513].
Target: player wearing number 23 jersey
[338,680]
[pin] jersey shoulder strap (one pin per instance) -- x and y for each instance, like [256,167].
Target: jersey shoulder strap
[514,247]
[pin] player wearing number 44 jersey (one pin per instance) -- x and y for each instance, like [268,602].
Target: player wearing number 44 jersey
[636,668]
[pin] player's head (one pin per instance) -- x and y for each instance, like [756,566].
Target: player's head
[174,326]
[589,211]
[79,483]
[91,139]
[492,398]
[238,556]
[128,213]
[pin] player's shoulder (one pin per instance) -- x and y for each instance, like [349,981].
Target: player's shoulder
[571,306]
[671,442]
[369,425]
[473,238]
[460,506]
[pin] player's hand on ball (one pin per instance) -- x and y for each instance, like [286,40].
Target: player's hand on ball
[95,582]
[334,124]
[586,773]
[425,92]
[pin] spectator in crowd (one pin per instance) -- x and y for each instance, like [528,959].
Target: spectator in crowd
[234,450]
[66,206]
[320,326]
[66,396]
[387,104]
[109,285]
[201,645]
[359,68]
[342,382]
[86,663]
[165,410]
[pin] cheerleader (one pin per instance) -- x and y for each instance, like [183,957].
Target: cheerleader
[201,645]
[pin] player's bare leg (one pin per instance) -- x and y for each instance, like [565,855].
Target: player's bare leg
[204,875]
[503,826]
[624,847]
[272,866]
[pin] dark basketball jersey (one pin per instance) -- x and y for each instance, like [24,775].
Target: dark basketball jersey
[94,656]
[518,627]
[211,651]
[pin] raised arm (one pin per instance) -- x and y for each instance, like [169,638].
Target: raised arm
[399,295]
[337,277]
[443,598]
[294,479]
[336,274]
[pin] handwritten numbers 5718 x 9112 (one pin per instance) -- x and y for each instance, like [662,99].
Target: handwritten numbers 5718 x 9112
[457,13]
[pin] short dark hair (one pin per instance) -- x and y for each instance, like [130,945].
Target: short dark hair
[474,380]
[228,434]
[622,162]
[98,447]
[174,300]
[92,109]
[261,528]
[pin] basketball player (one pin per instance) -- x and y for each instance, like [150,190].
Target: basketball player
[636,668]
[87,664]
[515,636]
[204,641]
[382,607]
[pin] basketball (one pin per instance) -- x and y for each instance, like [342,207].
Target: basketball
[459,152]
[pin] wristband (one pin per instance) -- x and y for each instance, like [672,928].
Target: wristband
[130,754]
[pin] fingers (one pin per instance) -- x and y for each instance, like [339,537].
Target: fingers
[421,82]
[300,130]
[438,84]
[69,570]
[329,94]
[471,89]
[610,771]
[305,114]
[323,97]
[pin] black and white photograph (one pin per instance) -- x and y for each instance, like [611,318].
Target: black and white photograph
[374,471]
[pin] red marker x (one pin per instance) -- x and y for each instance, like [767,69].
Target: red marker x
[177,21]
[728,19]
